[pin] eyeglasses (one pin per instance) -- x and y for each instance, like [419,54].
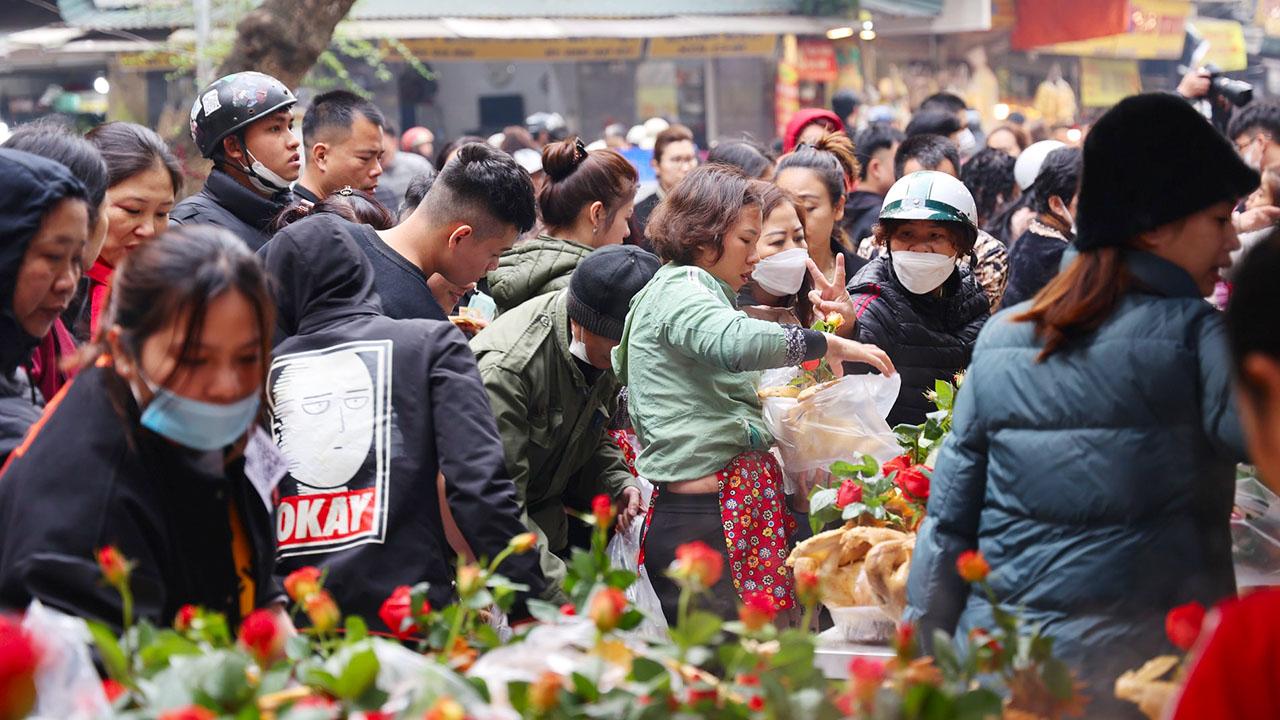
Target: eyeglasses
[1242,146]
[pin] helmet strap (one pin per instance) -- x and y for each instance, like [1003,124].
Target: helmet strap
[260,176]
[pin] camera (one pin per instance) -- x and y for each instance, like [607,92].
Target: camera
[1236,92]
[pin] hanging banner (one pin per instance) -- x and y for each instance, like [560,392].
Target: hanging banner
[1155,32]
[786,95]
[562,49]
[1105,82]
[713,46]
[817,60]
[1226,43]
[1043,22]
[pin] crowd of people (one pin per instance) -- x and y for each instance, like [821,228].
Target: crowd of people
[350,351]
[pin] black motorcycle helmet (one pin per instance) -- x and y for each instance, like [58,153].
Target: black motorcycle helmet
[231,104]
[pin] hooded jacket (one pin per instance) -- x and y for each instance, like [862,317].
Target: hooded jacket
[368,411]
[226,203]
[804,118]
[1098,482]
[928,337]
[535,267]
[861,213]
[552,419]
[29,186]
[85,479]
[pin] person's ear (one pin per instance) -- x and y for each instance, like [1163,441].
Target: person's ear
[233,151]
[838,211]
[319,155]
[460,232]
[596,213]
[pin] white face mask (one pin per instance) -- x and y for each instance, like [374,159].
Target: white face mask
[263,177]
[965,140]
[578,349]
[782,274]
[922,272]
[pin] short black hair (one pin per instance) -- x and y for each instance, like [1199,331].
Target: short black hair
[1059,177]
[483,178]
[1255,294]
[932,122]
[989,177]
[337,109]
[928,150]
[844,102]
[744,154]
[53,140]
[418,188]
[945,102]
[873,139]
[1257,115]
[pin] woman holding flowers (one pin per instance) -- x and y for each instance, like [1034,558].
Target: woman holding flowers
[151,453]
[689,359]
[1092,460]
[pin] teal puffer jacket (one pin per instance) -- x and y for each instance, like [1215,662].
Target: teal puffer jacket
[1098,483]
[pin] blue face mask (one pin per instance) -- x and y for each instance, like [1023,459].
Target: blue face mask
[196,424]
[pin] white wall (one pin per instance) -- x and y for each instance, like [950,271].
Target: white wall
[463,83]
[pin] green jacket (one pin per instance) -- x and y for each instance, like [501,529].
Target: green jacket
[551,420]
[532,268]
[687,358]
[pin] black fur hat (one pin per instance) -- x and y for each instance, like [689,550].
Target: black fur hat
[1148,161]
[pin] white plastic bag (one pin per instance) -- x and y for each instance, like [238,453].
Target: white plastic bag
[839,422]
[624,553]
[1255,535]
[67,685]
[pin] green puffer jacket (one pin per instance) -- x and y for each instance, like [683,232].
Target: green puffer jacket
[535,267]
[687,358]
[552,422]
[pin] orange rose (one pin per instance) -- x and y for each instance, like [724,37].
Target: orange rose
[446,708]
[606,608]
[972,566]
[523,543]
[698,564]
[757,610]
[807,587]
[544,694]
[302,583]
[115,569]
[602,510]
[322,611]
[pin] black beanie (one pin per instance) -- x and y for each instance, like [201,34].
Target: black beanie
[1148,161]
[603,284]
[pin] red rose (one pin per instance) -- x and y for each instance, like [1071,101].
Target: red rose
[1183,625]
[756,703]
[397,613]
[568,609]
[698,695]
[697,563]
[807,587]
[867,670]
[749,680]
[602,510]
[115,569]
[112,689]
[191,712]
[262,636]
[186,615]
[302,583]
[905,641]
[914,482]
[19,656]
[810,365]
[757,610]
[606,607]
[902,462]
[972,566]
[850,492]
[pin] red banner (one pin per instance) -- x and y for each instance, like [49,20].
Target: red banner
[1045,22]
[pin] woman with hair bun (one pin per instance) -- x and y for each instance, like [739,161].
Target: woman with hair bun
[586,203]
[820,175]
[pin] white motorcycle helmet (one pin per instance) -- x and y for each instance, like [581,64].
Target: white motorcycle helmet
[1029,161]
[930,195]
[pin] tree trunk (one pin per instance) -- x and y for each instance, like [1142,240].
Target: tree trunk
[283,38]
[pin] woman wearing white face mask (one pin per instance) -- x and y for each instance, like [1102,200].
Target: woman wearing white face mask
[153,447]
[915,302]
[1036,256]
[778,289]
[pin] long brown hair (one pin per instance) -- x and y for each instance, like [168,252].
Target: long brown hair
[1079,299]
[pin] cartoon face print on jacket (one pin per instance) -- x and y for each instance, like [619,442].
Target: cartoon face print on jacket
[324,409]
[331,417]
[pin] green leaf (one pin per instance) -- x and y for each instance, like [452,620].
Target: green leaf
[946,394]
[701,628]
[1057,677]
[645,670]
[853,511]
[356,630]
[165,645]
[358,675]
[840,468]
[630,619]
[620,579]
[113,657]
[584,687]
[821,503]
[543,611]
[978,704]
[226,683]
[944,654]
[297,647]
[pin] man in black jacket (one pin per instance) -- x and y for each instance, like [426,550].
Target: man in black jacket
[874,147]
[343,135]
[243,123]
[369,412]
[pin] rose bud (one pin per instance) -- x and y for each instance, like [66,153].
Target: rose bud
[396,612]
[523,543]
[1183,625]
[469,580]
[602,510]
[302,583]
[972,566]
[698,564]
[115,569]
[606,608]
[186,615]
[446,708]
[850,492]
[19,658]
[757,610]
[322,611]
[544,694]
[808,588]
[262,635]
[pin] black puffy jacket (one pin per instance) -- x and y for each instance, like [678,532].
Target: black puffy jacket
[228,204]
[369,410]
[928,337]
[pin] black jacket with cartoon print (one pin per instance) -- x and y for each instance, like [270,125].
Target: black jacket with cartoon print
[369,410]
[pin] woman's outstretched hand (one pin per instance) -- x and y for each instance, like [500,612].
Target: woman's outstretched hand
[841,350]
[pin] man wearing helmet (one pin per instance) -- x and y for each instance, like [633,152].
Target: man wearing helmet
[917,301]
[243,123]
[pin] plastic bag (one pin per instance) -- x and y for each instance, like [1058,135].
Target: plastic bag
[624,553]
[839,422]
[1255,535]
[67,685]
